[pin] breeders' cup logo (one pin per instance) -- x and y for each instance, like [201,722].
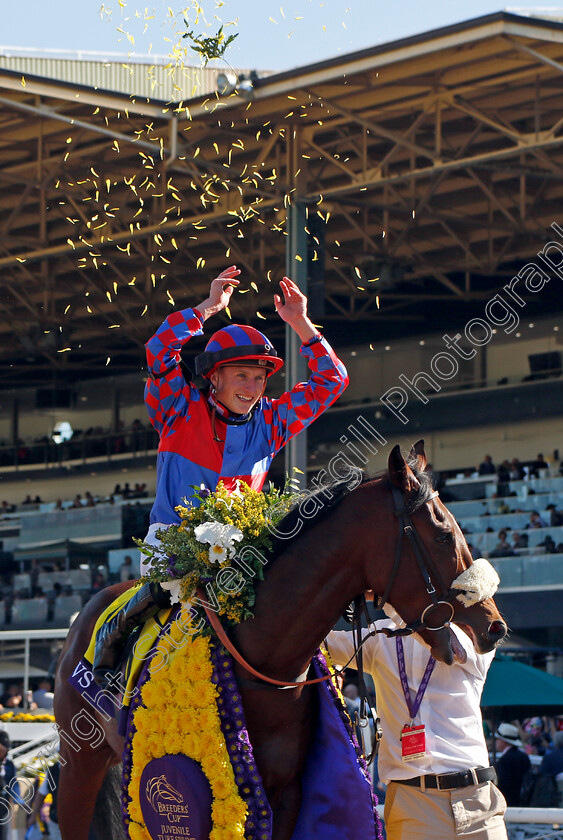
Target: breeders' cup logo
[159,788]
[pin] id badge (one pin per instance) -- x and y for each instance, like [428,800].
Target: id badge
[413,742]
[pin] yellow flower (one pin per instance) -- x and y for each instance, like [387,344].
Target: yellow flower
[197,735]
[137,832]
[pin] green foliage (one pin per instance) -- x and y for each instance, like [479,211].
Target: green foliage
[209,48]
[202,550]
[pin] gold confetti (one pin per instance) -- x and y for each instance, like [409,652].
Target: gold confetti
[23,81]
[144,310]
[113,326]
[254,286]
[108,360]
[259,315]
[377,301]
[358,272]
[66,310]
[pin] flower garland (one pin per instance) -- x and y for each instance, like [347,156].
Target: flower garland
[25,717]
[160,726]
[220,545]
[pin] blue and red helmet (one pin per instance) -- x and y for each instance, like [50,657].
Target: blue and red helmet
[237,344]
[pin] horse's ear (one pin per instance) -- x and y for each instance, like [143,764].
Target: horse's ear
[400,473]
[417,452]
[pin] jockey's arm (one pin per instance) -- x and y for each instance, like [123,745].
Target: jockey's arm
[299,407]
[166,384]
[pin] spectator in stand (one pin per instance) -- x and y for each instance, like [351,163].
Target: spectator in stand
[77,503]
[43,696]
[536,521]
[519,540]
[503,477]
[51,600]
[539,464]
[552,762]
[28,500]
[516,470]
[549,544]
[555,516]
[503,547]
[59,504]
[126,492]
[6,508]
[13,698]
[136,437]
[513,763]
[487,467]
[117,490]
[126,570]
[98,583]
[90,501]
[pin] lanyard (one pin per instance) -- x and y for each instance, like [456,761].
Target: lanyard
[413,707]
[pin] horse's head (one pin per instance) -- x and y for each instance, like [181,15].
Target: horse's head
[434,580]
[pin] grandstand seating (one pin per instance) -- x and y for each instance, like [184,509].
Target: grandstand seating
[481,522]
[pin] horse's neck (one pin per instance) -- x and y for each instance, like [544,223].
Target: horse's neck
[305,592]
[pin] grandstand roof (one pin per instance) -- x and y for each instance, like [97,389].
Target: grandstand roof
[435,163]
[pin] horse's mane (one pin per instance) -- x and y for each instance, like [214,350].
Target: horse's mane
[324,499]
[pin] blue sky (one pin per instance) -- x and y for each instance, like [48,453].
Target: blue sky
[273,34]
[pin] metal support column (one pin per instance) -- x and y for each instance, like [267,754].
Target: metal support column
[296,366]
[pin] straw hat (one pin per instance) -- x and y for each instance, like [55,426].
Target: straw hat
[509,733]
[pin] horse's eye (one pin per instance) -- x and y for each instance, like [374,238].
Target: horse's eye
[445,538]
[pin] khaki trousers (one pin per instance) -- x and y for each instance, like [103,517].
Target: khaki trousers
[475,813]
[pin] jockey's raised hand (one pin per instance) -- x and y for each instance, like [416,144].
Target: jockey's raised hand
[293,310]
[220,292]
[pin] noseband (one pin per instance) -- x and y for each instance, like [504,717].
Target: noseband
[427,566]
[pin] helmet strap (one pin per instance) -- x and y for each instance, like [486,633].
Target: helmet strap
[216,437]
[213,391]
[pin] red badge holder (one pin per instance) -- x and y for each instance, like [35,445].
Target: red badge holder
[413,742]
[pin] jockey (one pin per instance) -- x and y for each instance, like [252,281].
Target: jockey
[219,427]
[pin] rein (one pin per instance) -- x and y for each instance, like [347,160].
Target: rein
[224,639]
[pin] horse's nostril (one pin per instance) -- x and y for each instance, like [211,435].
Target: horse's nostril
[497,629]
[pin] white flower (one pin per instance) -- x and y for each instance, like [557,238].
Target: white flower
[218,554]
[173,586]
[237,491]
[221,538]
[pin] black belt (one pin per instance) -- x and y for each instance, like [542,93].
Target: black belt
[449,781]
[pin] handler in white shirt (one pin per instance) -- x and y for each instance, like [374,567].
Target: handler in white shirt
[445,792]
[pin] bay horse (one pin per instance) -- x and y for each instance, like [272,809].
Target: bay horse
[317,573]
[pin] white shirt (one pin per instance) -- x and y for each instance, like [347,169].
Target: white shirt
[449,709]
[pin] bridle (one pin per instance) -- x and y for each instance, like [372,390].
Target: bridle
[426,565]
[427,568]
